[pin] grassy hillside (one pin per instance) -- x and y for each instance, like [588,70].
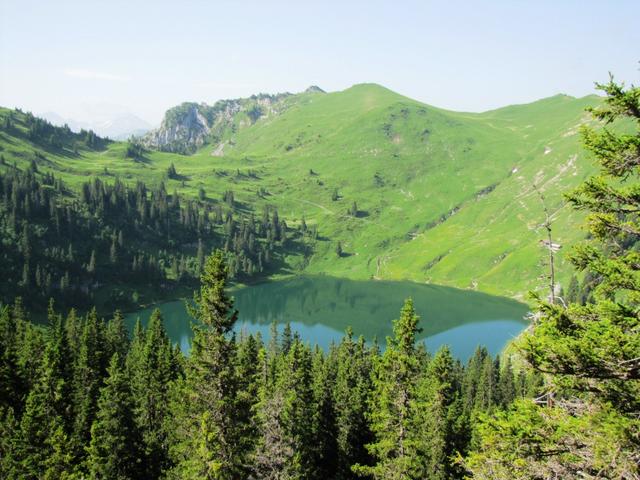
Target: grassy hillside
[442,197]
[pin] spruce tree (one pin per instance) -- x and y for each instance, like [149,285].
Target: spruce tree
[113,251]
[351,395]
[248,372]
[48,406]
[171,171]
[286,339]
[323,377]
[200,257]
[506,385]
[275,452]
[10,448]
[573,291]
[114,451]
[472,377]
[117,336]
[287,443]
[353,211]
[59,462]
[12,386]
[88,379]
[91,266]
[31,345]
[151,368]
[437,418]
[391,416]
[485,398]
[211,385]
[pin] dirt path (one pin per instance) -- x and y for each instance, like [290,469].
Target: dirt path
[318,205]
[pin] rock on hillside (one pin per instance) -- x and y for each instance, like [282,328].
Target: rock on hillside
[183,128]
[188,126]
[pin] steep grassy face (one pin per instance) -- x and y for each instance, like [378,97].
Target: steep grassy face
[408,190]
[493,241]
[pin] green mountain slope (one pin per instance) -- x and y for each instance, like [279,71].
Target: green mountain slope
[442,197]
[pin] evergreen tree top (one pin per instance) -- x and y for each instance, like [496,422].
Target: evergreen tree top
[406,328]
[214,307]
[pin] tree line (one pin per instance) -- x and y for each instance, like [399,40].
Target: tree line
[48,136]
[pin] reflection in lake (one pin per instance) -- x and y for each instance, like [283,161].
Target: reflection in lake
[320,308]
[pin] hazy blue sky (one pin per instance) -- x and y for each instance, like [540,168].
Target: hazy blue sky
[146,56]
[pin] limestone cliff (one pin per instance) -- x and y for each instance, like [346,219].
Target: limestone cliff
[189,126]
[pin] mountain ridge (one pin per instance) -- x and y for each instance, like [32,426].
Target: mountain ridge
[190,125]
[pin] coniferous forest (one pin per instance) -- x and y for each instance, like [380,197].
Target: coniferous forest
[114,242]
[81,398]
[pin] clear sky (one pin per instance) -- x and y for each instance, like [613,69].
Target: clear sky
[146,56]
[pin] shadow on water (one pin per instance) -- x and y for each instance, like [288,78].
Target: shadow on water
[320,308]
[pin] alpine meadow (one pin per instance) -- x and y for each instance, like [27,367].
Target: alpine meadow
[324,282]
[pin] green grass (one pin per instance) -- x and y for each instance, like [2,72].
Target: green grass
[428,162]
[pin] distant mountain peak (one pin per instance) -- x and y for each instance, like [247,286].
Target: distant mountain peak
[314,89]
[117,125]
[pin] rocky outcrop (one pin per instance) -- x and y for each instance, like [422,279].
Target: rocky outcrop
[188,126]
[314,89]
[183,129]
